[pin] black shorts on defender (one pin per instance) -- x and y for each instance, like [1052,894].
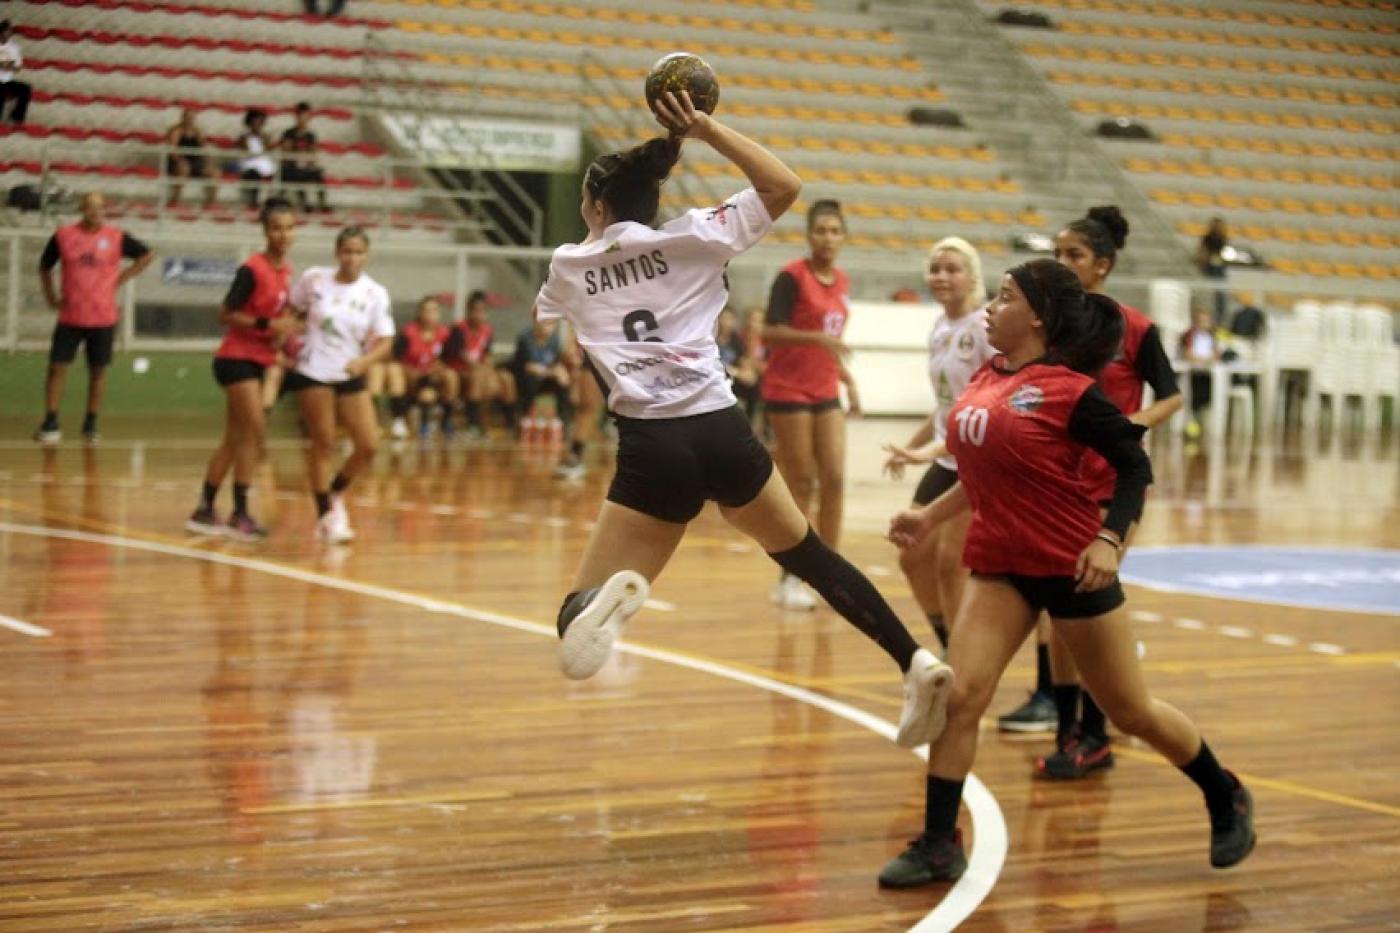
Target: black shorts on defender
[936,481]
[793,408]
[667,468]
[228,372]
[295,382]
[1056,595]
[97,342]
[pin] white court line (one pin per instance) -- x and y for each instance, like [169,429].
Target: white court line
[1283,641]
[660,605]
[1235,631]
[1191,625]
[1322,647]
[875,570]
[988,825]
[24,628]
[1142,615]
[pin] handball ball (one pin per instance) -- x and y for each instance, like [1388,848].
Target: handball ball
[681,71]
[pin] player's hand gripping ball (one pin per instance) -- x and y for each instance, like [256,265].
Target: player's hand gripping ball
[681,71]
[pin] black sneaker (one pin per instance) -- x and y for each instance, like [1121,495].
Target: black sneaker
[924,862]
[1233,838]
[1075,757]
[1037,714]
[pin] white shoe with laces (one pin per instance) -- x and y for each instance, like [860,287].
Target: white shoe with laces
[927,684]
[334,526]
[792,594]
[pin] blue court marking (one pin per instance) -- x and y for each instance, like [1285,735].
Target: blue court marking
[1336,579]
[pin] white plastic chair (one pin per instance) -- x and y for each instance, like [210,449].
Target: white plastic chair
[1376,331]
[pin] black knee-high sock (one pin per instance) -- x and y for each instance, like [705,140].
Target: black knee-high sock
[850,594]
[1067,707]
[940,628]
[473,414]
[207,494]
[240,499]
[1091,721]
[1217,786]
[339,484]
[941,800]
[398,406]
[323,503]
[1043,682]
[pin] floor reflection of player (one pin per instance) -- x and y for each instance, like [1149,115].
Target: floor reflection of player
[238,742]
[784,833]
[323,761]
[75,596]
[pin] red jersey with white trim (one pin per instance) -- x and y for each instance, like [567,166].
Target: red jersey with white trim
[1010,434]
[421,346]
[1122,382]
[804,372]
[266,300]
[92,263]
[475,344]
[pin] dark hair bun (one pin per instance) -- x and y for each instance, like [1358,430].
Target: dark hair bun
[654,158]
[1112,220]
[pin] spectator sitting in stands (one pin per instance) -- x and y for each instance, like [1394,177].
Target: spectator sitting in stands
[743,374]
[1210,259]
[1200,350]
[468,353]
[299,167]
[258,165]
[313,7]
[187,158]
[539,367]
[11,61]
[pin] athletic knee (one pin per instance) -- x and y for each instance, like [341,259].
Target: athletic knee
[967,702]
[1135,719]
[368,446]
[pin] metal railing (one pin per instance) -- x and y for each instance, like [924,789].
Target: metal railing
[390,85]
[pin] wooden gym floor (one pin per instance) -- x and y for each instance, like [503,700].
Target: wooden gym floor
[201,735]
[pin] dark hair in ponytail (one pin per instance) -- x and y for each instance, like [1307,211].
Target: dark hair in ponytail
[629,182]
[1105,229]
[1083,331]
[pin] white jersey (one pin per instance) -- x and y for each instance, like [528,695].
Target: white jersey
[956,350]
[10,61]
[341,321]
[644,304]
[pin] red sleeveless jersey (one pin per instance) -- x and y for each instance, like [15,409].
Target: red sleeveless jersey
[801,372]
[422,347]
[1122,382]
[270,286]
[476,345]
[1010,434]
[92,263]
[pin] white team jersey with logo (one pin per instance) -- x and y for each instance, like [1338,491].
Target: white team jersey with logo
[956,350]
[644,304]
[341,321]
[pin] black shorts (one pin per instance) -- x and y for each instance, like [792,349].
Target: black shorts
[199,165]
[97,342]
[228,372]
[938,480]
[793,408]
[295,382]
[667,468]
[1056,595]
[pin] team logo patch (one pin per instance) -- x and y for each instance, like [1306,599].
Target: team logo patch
[967,345]
[1027,399]
[719,213]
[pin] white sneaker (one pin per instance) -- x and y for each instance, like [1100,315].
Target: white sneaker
[927,684]
[398,430]
[570,470]
[590,635]
[334,526]
[792,594]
